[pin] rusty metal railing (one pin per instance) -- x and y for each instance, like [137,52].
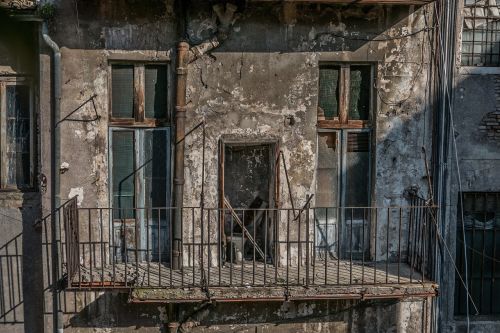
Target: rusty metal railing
[321,246]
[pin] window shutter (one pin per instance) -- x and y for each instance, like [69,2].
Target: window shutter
[358,141]
[122,81]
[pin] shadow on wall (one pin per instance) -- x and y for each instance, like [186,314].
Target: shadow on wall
[21,277]
[112,311]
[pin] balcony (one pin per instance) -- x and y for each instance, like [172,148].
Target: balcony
[243,254]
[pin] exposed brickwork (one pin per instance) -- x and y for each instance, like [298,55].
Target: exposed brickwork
[490,124]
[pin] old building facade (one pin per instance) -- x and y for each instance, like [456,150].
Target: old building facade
[248,166]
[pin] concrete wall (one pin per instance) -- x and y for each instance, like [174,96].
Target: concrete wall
[475,105]
[20,242]
[245,90]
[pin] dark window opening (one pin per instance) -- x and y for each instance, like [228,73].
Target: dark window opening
[481,219]
[16,150]
[481,33]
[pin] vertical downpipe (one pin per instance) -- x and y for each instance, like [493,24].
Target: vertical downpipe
[54,182]
[180,129]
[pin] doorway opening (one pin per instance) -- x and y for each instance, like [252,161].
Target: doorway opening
[248,182]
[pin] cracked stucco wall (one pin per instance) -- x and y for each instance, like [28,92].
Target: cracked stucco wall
[245,90]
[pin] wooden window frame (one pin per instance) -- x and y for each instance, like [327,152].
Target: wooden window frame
[343,121]
[139,119]
[4,83]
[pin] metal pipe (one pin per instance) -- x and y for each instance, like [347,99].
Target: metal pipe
[54,181]
[180,129]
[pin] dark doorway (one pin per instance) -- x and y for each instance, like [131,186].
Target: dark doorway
[248,181]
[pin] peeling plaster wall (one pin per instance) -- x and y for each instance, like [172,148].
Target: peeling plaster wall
[475,102]
[245,90]
[320,317]
[478,159]
[268,71]
[20,241]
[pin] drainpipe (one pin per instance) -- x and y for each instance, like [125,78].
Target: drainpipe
[186,55]
[54,181]
[180,129]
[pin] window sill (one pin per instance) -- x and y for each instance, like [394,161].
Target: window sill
[478,70]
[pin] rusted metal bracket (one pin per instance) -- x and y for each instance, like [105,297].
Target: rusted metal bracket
[96,115]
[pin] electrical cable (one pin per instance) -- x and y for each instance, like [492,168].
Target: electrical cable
[446,91]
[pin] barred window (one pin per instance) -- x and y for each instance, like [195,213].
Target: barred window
[481,219]
[16,146]
[481,33]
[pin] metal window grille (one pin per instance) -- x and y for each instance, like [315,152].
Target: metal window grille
[481,33]
[481,217]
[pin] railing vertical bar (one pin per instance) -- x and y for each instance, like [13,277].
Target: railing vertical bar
[375,246]
[411,235]
[299,248]
[399,243]
[337,230]
[363,247]
[492,281]
[201,247]
[242,248]
[136,245]
[265,246]
[387,246]
[231,255]
[181,248]
[350,248]
[148,260]
[287,248]
[255,240]
[193,251]
[276,244]
[158,211]
[327,247]
[125,250]
[219,245]
[314,246]
[209,242]
[90,247]
[113,247]
[425,237]
[168,214]
[307,246]
[101,224]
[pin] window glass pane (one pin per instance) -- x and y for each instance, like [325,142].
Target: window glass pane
[156,91]
[122,82]
[357,169]
[123,174]
[18,136]
[328,92]
[156,187]
[359,103]
[155,167]
[327,189]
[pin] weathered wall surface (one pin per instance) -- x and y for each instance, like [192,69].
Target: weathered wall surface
[20,257]
[246,90]
[268,71]
[475,115]
[478,154]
